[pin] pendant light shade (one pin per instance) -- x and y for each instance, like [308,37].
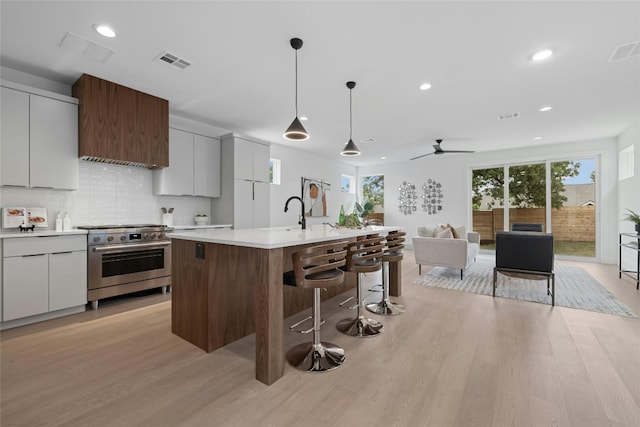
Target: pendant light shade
[350,148]
[295,131]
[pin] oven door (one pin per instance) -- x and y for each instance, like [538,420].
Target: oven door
[119,264]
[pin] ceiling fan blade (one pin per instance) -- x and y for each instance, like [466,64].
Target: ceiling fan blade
[422,156]
[458,151]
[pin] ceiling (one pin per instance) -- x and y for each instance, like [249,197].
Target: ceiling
[476,55]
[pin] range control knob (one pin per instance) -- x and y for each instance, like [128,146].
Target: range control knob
[153,235]
[145,236]
[96,239]
[109,238]
[123,238]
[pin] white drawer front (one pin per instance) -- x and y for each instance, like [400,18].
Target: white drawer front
[43,245]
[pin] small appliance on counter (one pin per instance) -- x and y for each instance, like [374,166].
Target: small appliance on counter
[19,217]
[167,216]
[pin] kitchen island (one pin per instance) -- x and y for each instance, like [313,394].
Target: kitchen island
[228,284]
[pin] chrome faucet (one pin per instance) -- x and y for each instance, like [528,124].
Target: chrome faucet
[303,220]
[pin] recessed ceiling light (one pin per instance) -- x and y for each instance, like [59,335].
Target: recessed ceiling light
[425,86]
[537,138]
[104,30]
[547,108]
[304,118]
[383,158]
[543,54]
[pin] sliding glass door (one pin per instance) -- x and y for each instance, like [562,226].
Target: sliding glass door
[573,217]
[559,195]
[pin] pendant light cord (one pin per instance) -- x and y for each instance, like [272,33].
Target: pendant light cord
[350,116]
[296,83]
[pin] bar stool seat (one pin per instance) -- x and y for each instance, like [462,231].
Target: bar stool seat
[392,253]
[363,256]
[318,267]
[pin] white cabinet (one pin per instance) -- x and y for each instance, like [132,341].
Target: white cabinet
[43,274]
[14,142]
[245,184]
[251,161]
[39,145]
[206,166]
[67,279]
[194,166]
[26,286]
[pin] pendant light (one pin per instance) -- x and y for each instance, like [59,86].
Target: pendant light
[350,148]
[296,132]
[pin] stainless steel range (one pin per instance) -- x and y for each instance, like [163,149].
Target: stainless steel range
[126,258]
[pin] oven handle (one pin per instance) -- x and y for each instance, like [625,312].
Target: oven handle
[133,247]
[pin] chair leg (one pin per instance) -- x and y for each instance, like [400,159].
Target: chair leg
[495,279]
[360,326]
[316,356]
[461,273]
[419,268]
[385,307]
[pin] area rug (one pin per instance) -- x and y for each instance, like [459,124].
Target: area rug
[575,288]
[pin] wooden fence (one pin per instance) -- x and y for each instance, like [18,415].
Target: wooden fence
[570,223]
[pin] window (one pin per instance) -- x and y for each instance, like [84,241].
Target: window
[625,163]
[348,184]
[274,171]
[373,190]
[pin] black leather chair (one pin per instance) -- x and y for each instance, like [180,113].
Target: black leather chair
[521,226]
[525,252]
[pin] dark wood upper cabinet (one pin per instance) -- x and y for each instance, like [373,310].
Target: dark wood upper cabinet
[121,124]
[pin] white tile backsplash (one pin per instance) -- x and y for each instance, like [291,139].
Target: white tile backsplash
[109,194]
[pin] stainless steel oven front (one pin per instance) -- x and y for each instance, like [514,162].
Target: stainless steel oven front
[123,260]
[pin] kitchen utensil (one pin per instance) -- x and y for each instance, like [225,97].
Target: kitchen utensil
[170,210]
[164,210]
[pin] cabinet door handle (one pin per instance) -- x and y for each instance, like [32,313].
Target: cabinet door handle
[253,191]
[25,256]
[47,188]
[62,253]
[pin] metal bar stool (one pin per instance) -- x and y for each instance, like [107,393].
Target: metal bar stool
[363,256]
[392,253]
[317,267]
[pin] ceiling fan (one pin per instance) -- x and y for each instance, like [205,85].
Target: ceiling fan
[439,150]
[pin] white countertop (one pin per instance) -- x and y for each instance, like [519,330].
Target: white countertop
[197,227]
[11,233]
[276,237]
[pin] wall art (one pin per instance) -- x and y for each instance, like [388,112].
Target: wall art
[432,197]
[408,198]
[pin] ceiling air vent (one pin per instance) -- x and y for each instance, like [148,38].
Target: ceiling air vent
[173,60]
[625,51]
[508,116]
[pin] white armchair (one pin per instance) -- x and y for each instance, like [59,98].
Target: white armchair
[446,252]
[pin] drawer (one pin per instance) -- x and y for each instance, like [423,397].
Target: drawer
[43,245]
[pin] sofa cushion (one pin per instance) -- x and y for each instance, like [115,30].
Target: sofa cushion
[445,234]
[429,230]
[453,231]
[462,232]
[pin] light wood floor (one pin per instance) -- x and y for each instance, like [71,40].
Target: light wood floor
[454,359]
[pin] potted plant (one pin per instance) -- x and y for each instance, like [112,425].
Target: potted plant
[202,219]
[633,217]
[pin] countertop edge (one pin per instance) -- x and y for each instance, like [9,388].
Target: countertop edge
[37,233]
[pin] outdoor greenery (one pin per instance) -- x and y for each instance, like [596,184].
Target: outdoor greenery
[527,187]
[373,189]
[560,247]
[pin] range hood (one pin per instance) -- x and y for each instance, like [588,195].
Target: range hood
[121,126]
[117,162]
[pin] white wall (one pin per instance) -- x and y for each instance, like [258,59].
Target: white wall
[454,172]
[629,191]
[296,164]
